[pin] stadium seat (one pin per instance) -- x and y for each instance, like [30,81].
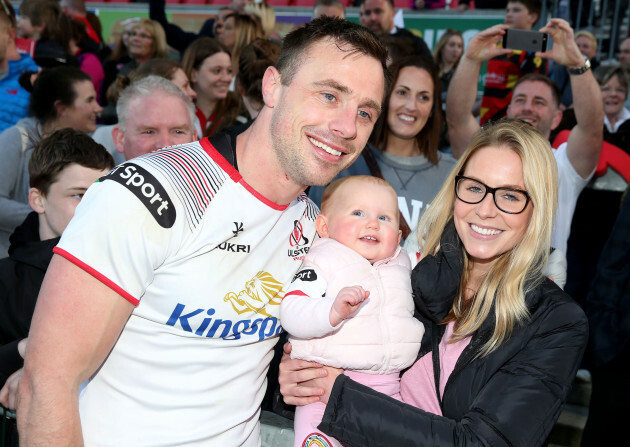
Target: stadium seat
[279,2]
[402,4]
[172,2]
[220,2]
[304,3]
[194,2]
[119,1]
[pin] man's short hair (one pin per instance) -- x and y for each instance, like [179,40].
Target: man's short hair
[147,87]
[588,35]
[538,77]
[350,37]
[533,6]
[62,148]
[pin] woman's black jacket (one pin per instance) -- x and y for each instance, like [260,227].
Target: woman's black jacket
[511,397]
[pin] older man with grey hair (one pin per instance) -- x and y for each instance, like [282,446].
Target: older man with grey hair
[152,113]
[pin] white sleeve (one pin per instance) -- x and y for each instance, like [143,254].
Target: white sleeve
[570,185]
[305,308]
[123,231]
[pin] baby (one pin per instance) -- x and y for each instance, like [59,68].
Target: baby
[350,305]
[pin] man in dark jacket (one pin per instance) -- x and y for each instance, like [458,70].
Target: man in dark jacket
[378,16]
[61,169]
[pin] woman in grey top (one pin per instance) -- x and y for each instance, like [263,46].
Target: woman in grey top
[403,148]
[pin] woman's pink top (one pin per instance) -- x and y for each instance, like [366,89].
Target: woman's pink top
[90,64]
[417,386]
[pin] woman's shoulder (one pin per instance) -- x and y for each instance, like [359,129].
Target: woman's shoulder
[26,125]
[555,306]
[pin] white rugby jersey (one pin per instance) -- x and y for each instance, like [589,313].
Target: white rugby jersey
[205,258]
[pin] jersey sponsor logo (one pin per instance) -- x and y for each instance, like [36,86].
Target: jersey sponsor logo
[316,440]
[147,189]
[298,242]
[195,321]
[239,228]
[259,292]
[234,248]
[305,275]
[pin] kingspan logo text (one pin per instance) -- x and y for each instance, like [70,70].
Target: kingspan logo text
[201,323]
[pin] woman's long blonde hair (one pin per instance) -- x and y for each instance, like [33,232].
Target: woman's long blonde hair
[522,266]
[159,47]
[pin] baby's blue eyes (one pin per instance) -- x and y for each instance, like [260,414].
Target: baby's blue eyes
[360,213]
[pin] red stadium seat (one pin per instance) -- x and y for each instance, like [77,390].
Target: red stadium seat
[173,2]
[194,2]
[304,3]
[279,2]
[220,2]
[119,1]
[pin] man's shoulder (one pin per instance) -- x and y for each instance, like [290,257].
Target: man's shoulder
[25,62]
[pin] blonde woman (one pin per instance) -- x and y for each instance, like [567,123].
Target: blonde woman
[267,17]
[239,30]
[502,342]
[145,40]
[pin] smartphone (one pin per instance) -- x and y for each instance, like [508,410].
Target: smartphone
[518,39]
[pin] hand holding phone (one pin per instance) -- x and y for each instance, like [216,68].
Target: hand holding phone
[517,39]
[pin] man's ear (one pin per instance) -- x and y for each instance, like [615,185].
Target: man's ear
[271,86]
[321,226]
[37,200]
[533,19]
[118,136]
[557,117]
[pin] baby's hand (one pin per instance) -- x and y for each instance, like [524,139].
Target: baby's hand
[348,300]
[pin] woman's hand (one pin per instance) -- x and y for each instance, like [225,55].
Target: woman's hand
[326,383]
[303,382]
[8,393]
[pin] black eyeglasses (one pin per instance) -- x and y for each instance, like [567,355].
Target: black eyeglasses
[508,200]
